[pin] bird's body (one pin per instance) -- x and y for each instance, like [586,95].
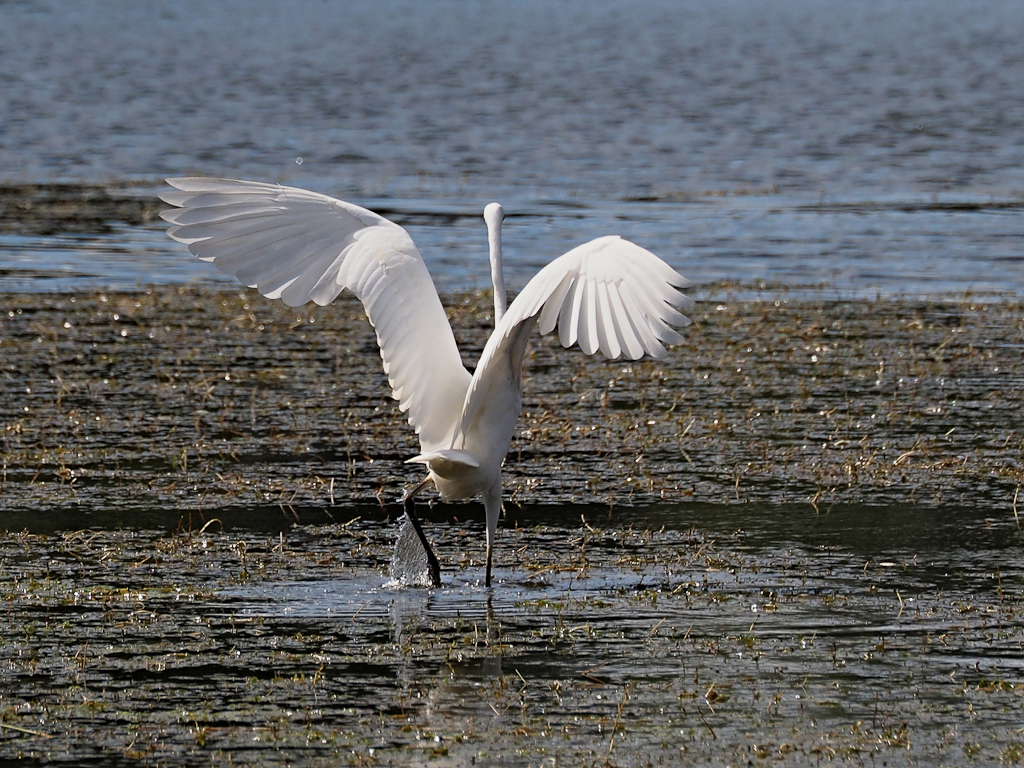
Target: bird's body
[296,245]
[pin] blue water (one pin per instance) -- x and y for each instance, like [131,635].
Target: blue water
[873,146]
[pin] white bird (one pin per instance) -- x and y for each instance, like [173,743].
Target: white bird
[295,245]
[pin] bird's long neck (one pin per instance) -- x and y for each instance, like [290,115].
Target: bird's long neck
[493,215]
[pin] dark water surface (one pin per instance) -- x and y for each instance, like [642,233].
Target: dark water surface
[797,539]
[796,542]
[697,635]
[566,101]
[874,145]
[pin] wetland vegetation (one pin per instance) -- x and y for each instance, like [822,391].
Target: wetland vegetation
[795,540]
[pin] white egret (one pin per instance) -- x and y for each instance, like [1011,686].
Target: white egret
[295,245]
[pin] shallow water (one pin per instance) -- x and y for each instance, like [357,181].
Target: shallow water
[198,400]
[574,102]
[878,147]
[796,539]
[864,249]
[699,633]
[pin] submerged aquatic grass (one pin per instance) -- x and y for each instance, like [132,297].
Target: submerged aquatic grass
[629,645]
[795,540]
[200,400]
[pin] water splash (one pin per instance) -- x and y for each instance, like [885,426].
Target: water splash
[409,566]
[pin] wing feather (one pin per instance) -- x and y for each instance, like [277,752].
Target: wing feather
[644,330]
[588,319]
[608,334]
[569,317]
[300,246]
[608,294]
[551,308]
[624,330]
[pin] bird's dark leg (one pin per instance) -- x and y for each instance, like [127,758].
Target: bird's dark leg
[409,506]
[487,577]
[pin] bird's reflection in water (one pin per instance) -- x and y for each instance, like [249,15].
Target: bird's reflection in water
[473,661]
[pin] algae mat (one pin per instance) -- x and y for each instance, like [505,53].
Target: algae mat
[795,541]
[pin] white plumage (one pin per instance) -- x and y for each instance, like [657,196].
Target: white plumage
[299,246]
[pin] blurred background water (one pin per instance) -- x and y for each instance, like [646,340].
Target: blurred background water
[876,146]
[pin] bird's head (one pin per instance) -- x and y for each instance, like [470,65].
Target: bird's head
[494,214]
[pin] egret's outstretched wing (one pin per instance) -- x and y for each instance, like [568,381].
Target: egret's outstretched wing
[608,294]
[297,246]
